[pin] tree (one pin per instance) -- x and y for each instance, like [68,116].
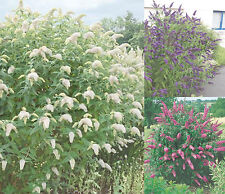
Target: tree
[129,27]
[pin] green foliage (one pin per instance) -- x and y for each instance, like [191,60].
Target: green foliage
[218,176]
[131,29]
[158,185]
[152,108]
[218,108]
[219,55]
[67,118]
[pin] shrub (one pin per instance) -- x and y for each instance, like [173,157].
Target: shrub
[219,55]
[178,53]
[218,176]
[68,120]
[184,145]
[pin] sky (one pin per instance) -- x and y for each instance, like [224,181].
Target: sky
[94,9]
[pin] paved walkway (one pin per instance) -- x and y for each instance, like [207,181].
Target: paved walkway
[217,89]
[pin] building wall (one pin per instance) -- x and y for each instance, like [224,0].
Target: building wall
[204,9]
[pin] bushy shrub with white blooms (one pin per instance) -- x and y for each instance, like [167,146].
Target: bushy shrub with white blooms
[70,105]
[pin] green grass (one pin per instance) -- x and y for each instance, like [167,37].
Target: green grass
[219,55]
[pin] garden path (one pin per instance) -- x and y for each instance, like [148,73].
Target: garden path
[217,89]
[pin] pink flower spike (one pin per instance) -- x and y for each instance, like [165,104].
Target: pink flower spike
[200,148]
[204,135]
[184,166]
[175,122]
[181,153]
[198,175]
[175,106]
[169,138]
[198,156]
[174,173]
[166,149]
[194,156]
[152,176]
[186,125]
[205,113]
[220,142]
[209,154]
[162,135]
[205,179]
[208,146]
[219,132]
[188,138]
[151,146]
[184,146]
[170,167]
[196,127]
[178,135]
[197,182]
[191,147]
[160,145]
[190,163]
[146,161]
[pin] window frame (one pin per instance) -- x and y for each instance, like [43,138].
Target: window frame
[221,20]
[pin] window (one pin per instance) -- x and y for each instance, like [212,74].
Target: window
[218,20]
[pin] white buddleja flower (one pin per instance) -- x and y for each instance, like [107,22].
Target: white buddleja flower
[34,53]
[95,148]
[88,35]
[137,113]
[119,127]
[102,163]
[25,26]
[66,83]
[116,51]
[135,130]
[95,50]
[113,150]
[72,163]
[11,69]
[108,147]
[56,153]
[116,36]
[4,164]
[79,133]
[32,76]
[86,122]
[53,143]
[49,107]
[71,136]
[1,157]
[22,163]
[137,105]
[108,167]
[96,64]
[57,56]
[37,190]
[123,46]
[45,50]
[3,88]
[89,94]
[34,24]
[130,96]
[24,115]
[132,77]
[66,117]
[42,51]
[48,176]
[95,27]
[83,107]
[55,170]
[43,184]
[96,124]
[73,38]
[115,68]
[66,68]
[113,80]
[115,97]
[44,121]
[118,116]
[67,100]
[9,128]
[108,33]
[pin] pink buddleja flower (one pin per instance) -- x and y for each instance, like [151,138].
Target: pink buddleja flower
[205,123]
[198,156]
[175,122]
[184,146]
[152,146]
[146,161]
[184,166]
[205,179]
[166,149]
[191,112]
[178,135]
[188,138]
[220,149]
[194,155]
[191,147]
[175,106]
[170,166]
[165,107]
[152,176]
[169,138]
[197,182]
[205,162]
[220,142]
[200,148]
[204,135]
[219,132]
[198,175]
[162,135]
[181,153]
[209,154]
[160,145]
[205,112]
[186,125]
[174,173]
[196,127]
[190,163]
